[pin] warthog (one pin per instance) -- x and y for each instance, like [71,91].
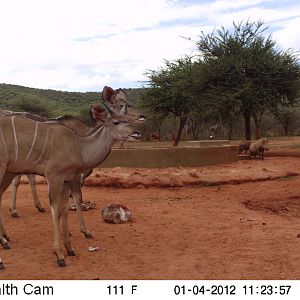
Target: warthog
[244,146]
[258,148]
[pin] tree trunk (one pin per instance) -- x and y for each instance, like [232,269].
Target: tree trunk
[230,131]
[193,129]
[257,132]
[179,132]
[247,118]
[159,130]
[286,128]
[257,121]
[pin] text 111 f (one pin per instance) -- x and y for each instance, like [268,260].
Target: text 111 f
[120,290]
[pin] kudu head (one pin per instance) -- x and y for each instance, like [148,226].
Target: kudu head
[120,129]
[121,114]
[117,102]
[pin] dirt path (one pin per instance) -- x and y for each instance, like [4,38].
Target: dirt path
[226,231]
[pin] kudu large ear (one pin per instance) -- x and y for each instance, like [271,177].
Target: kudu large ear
[108,94]
[98,113]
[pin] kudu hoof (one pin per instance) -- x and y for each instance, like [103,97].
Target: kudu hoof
[88,235]
[15,214]
[61,263]
[6,237]
[41,209]
[71,253]
[5,245]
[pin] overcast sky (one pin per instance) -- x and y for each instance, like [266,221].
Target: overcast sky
[82,45]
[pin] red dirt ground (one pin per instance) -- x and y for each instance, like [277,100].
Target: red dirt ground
[233,221]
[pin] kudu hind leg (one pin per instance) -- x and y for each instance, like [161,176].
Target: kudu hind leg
[13,196]
[37,203]
[64,220]
[5,182]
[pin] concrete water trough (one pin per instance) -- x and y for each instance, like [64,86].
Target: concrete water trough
[185,156]
[209,143]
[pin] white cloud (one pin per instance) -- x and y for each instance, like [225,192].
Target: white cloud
[85,44]
[288,36]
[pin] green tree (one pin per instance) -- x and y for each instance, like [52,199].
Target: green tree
[286,116]
[246,73]
[170,92]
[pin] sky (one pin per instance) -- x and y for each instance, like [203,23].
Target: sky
[83,45]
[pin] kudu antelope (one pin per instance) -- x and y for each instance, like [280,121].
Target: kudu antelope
[118,103]
[68,121]
[31,177]
[61,155]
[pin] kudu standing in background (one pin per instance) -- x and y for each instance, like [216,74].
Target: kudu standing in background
[61,155]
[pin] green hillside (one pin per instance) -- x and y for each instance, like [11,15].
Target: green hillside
[51,103]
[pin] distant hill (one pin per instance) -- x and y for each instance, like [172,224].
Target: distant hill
[52,103]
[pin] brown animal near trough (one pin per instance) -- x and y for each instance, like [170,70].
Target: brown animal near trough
[61,155]
[244,146]
[258,148]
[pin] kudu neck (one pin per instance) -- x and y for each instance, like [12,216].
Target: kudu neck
[96,146]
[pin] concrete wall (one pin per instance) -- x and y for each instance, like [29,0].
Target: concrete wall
[170,157]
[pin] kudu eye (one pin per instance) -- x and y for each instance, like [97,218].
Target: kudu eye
[116,123]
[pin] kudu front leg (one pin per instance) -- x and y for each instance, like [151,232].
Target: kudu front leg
[77,197]
[55,186]
[37,203]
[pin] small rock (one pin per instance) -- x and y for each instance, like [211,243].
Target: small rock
[116,213]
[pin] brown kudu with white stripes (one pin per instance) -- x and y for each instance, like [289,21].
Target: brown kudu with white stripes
[61,155]
[69,122]
[117,101]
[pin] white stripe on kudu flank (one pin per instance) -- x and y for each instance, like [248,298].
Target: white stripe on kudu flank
[15,135]
[3,140]
[46,140]
[51,142]
[33,142]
